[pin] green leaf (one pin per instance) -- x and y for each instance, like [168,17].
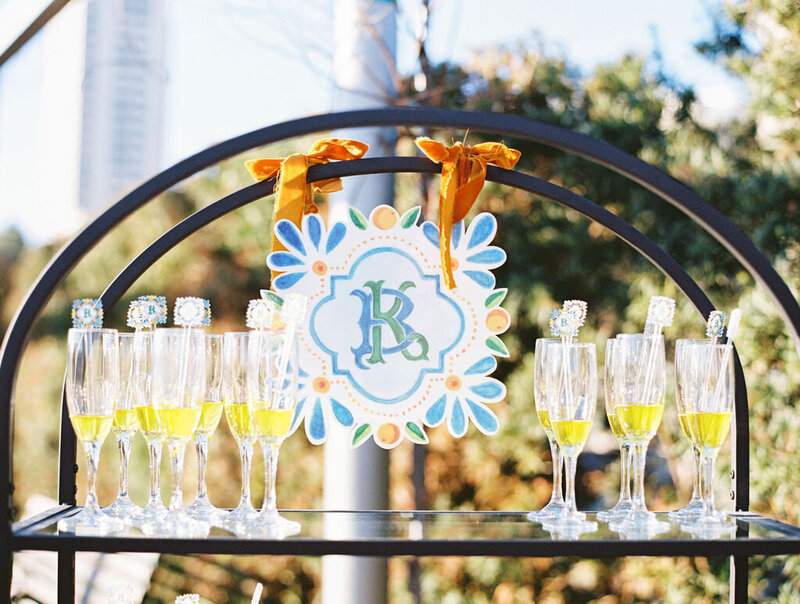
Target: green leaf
[409,219]
[358,219]
[271,296]
[497,347]
[416,434]
[496,298]
[361,433]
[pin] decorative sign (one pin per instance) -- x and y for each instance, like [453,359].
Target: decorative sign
[385,348]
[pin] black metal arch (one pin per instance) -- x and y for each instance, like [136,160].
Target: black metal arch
[601,153]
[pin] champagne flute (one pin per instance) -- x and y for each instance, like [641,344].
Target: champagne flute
[201,507]
[271,398]
[155,509]
[639,378]
[704,380]
[624,504]
[696,506]
[92,386]
[556,504]
[571,386]
[125,423]
[234,394]
[179,381]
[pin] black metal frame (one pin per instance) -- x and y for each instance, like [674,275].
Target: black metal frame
[596,151]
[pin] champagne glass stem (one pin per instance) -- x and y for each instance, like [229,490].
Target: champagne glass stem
[201,444]
[708,483]
[555,455]
[639,459]
[697,483]
[270,451]
[154,448]
[92,450]
[625,472]
[246,451]
[124,444]
[177,448]
[572,466]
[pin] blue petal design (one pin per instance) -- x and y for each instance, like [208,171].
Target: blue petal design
[431,233]
[316,428]
[482,367]
[488,390]
[482,417]
[302,373]
[491,255]
[342,415]
[335,236]
[482,278]
[298,413]
[435,414]
[458,421]
[286,280]
[290,236]
[284,259]
[314,228]
[482,229]
[455,234]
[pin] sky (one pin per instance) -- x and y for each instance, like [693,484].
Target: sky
[237,65]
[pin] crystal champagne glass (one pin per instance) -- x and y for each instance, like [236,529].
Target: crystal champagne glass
[234,393]
[92,387]
[639,378]
[201,507]
[155,509]
[271,398]
[179,382]
[125,423]
[571,387]
[624,504]
[704,380]
[556,504]
[696,506]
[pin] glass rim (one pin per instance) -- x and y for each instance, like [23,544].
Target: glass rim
[638,335]
[102,330]
[558,342]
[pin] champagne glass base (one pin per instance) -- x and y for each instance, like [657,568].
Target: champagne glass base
[549,512]
[201,509]
[689,513]
[177,524]
[637,524]
[122,508]
[153,512]
[88,522]
[617,513]
[241,516]
[711,527]
[271,526]
[569,527]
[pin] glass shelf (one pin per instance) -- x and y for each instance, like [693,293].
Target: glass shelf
[426,533]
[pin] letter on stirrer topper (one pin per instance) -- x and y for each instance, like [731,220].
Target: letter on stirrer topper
[87,313]
[259,315]
[192,312]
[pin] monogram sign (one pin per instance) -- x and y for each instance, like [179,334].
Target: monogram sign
[386,349]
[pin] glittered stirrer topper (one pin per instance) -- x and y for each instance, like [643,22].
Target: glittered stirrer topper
[137,317]
[715,326]
[660,313]
[87,312]
[155,309]
[259,314]
[192,312]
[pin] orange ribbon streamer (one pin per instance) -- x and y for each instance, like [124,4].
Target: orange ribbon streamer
[463,176]
[294,196]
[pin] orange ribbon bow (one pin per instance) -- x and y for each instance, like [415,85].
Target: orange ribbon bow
[463,175]
[294,195]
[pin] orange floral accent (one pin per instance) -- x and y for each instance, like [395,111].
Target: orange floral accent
[319,267]
[321,385]
[388,433]
[452,382]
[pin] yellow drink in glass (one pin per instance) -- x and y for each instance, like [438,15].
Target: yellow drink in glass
[239,422]
[544,419]
[684,422]
[572,433]
[616,427]
[180,422]
[272,423]
[125,420]
[92,428]
[209,417]
[148,421]
[710,428]
[640,422]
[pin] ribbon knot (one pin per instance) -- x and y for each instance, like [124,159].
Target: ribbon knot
[294,196]
[463,176]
